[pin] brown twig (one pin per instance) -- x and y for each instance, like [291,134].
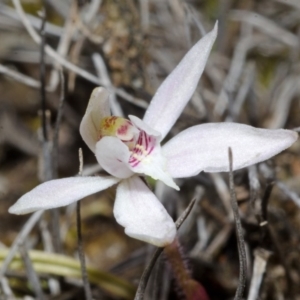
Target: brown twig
[239,233]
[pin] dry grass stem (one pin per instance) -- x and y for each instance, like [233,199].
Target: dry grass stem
[261,257]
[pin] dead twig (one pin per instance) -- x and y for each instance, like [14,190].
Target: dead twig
[85,279]
[223,192]
[19,77]
[267,26]
[61,60]
[32,275]
[5,289]
[261,257]
[42,76]
[19,240]
[58,123]
[104,76]
[288,192]
[239,232]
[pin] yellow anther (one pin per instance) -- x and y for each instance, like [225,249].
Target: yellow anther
[110,125]
[120,128]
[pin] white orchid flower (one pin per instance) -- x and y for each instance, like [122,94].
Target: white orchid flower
[127,149]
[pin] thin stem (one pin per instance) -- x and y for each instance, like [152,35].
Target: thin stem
[42,76]
[239,233]
[58,121]
[265,238]
[147,272]
[26,229]
[265,200]
[55,149]
[86,285]
[261,257]
[32,275]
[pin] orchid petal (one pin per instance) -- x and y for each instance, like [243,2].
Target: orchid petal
[141,125]
[155,166]
[205,147]
[113,156]
[177,89]
[97,109]
[60,192]
[141,213]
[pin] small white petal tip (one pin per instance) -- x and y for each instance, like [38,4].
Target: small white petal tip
[17,210]
[165,237]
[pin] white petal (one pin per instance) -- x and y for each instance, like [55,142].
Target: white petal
[141,125]
[60,192]
[97,109]
[177,89]
[113,156]
[143,216]
[205,147]
[155,166]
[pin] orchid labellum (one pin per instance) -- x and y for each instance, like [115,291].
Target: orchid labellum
[130,148]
